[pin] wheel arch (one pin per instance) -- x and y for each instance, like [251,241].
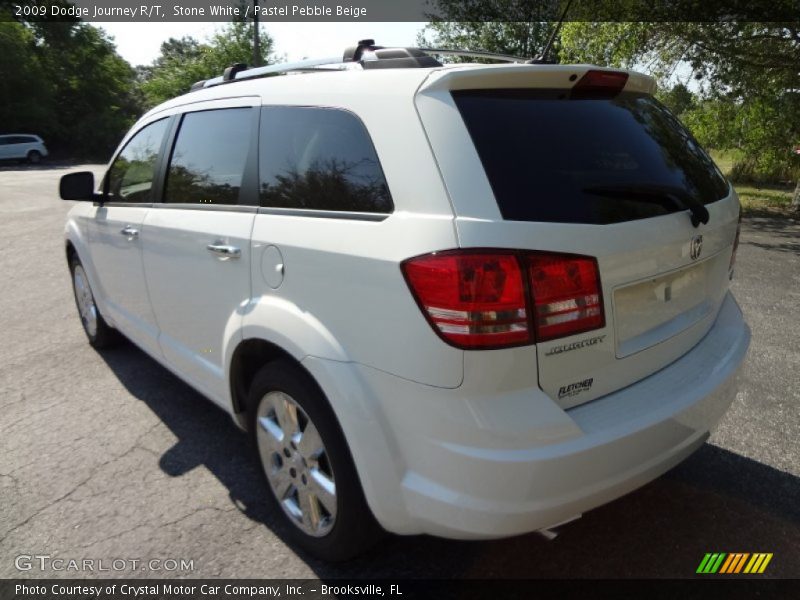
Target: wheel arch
[249,356]
[70,250]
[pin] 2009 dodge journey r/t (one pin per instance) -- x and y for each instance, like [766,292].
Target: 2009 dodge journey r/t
[468,300]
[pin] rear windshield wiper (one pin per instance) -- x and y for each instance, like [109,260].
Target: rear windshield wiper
[677,196]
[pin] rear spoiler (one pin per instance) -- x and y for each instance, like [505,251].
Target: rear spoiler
[525,76]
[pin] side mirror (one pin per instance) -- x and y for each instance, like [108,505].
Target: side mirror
[78,186]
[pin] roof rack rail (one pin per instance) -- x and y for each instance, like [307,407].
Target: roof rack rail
[475,54]
[365,53]
[243,74]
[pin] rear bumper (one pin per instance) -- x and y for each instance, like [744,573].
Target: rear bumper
[462,463]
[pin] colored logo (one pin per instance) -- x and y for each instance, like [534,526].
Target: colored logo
[736,562]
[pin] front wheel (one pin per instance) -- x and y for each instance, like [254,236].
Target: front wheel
[312,480]
[34,157]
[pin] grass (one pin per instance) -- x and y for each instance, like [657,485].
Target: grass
[757,199]
[725,160]
[765,200]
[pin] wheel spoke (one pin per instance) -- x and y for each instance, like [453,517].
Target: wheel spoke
[286,412]
[310,445]
[324,489]
[310,508]
[282,483]
[274,432]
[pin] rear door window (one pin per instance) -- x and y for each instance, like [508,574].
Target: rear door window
[552,158]
[209,157]
[321,159]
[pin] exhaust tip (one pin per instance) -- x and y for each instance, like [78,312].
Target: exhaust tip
[549,534]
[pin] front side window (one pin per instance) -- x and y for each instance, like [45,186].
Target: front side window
[131,176]
[209,158]
[319,158]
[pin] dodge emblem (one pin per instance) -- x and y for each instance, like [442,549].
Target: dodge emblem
[696,247]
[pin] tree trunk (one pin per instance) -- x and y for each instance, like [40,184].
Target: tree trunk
[796,198]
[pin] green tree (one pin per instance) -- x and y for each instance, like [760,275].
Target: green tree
[748,70]
[679,99]
[23,80]
[520,28]
[65,81]
[185,61]
[94,88]
[749,74]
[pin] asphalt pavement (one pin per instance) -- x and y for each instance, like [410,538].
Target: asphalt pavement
[106,455]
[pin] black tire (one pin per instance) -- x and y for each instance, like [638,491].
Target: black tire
[102,335]
[354,529]
[34,157]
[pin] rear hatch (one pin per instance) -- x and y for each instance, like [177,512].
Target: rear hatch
[561,159]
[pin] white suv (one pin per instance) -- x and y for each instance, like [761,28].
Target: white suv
[22,146]
[467,300]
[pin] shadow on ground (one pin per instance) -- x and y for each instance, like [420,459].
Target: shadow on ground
[783,232]
[716,501]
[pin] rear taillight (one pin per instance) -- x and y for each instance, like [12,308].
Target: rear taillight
[566,292]
[480,299]
[595,83]
[472,299]
[735,245]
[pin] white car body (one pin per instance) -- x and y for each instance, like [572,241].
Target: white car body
[457,443]
[20,146]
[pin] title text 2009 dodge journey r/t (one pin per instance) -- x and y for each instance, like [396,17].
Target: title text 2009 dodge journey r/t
[467,300]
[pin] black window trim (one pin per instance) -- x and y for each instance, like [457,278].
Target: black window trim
[317,213]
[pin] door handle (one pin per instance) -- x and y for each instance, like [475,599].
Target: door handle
[130,232]
[224,251]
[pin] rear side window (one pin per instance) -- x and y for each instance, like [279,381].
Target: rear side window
[209,157]
[552,158]
[130,178]
[319,158]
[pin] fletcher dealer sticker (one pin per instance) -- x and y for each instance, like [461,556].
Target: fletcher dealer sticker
[573,389]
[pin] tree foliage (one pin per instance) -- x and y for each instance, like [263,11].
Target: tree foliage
[679,99]
[18,86]
[747,73]
[65,82]
[186,60]
[505,26]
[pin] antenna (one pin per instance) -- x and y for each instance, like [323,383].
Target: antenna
[543,58]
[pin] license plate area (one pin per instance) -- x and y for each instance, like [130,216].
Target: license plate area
[653,310]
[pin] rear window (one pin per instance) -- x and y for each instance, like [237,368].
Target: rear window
[552,158]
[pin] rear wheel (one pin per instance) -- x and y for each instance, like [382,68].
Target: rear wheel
[100,334]
[307,464]
[34,157]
